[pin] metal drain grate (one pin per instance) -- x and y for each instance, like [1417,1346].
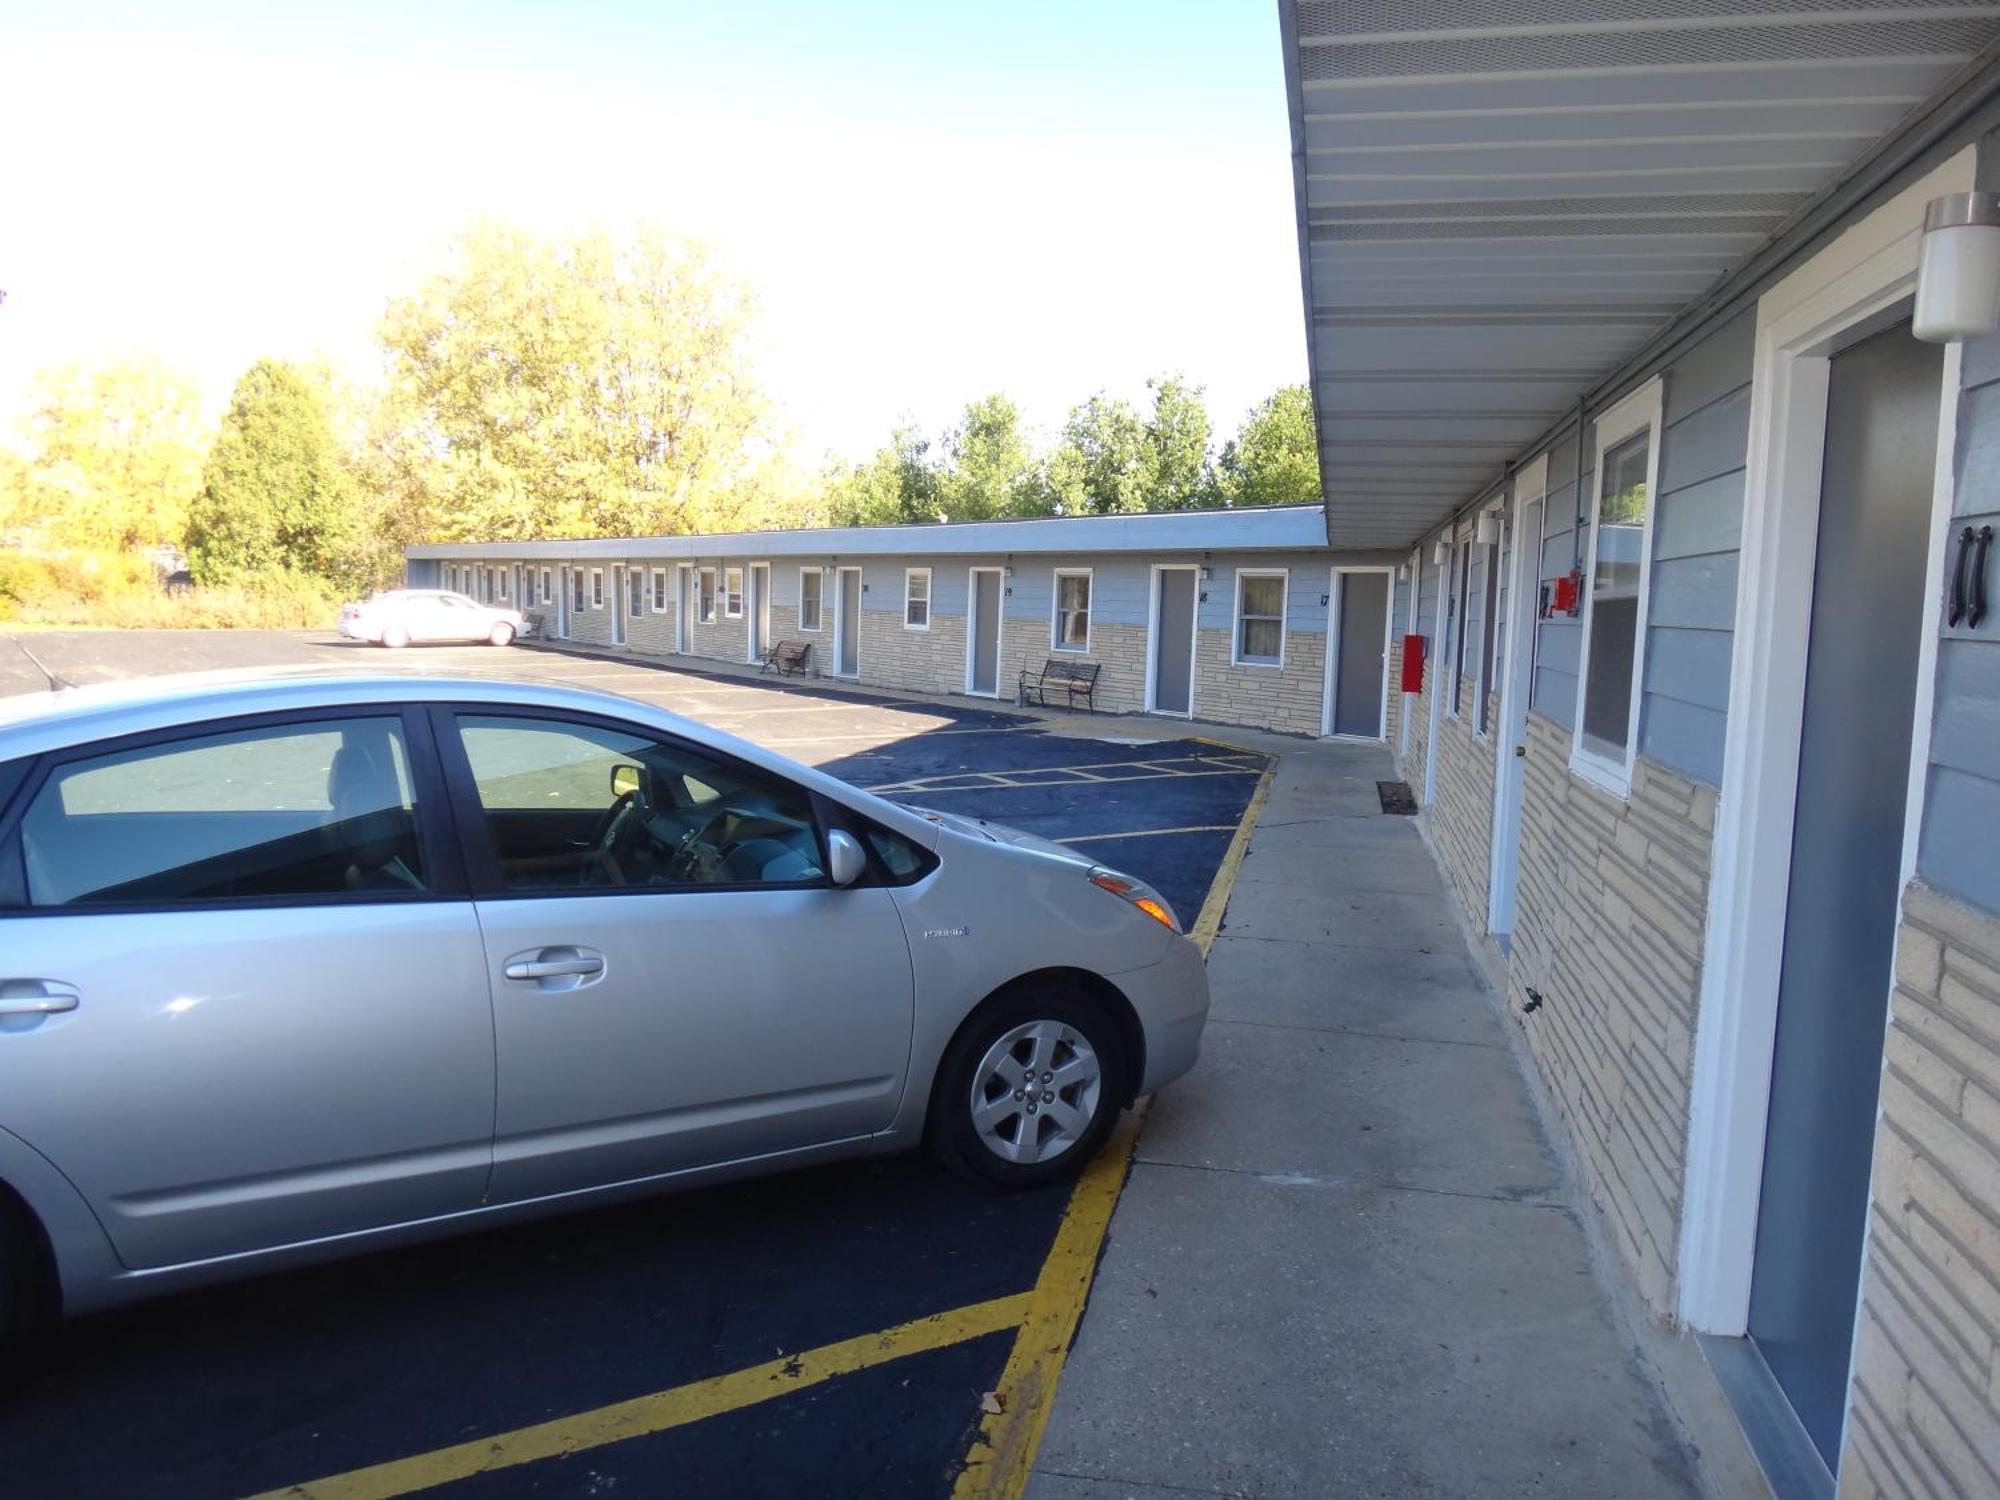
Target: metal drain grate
[1396,798]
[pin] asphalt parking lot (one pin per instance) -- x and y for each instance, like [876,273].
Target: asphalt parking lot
[830,1332]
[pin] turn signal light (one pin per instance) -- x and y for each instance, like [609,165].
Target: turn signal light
[1151,905]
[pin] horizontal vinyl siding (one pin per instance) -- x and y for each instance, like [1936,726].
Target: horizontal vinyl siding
[1554,694]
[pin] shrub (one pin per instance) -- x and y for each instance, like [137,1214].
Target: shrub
[123,592]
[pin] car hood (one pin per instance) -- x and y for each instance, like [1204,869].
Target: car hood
[1000,833]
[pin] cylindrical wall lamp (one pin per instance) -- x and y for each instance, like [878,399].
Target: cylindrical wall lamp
[1958,278]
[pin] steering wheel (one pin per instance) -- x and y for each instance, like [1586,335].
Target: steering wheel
[697,861]
[613,832]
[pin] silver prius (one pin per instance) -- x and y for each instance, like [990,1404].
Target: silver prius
[298,966]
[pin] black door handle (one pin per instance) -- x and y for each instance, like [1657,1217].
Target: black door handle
[1957,610]
[1977,610]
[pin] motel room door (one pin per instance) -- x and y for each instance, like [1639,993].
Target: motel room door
[982,649]
[1362,602]
[1172,673]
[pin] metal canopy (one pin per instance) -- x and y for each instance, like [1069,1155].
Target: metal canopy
[1501,200]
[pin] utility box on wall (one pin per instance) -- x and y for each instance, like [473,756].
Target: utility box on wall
[1413,664]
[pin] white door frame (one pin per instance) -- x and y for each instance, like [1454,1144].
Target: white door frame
[757,611]
[1434,663]
[1336,585]
[1864,273]
[972,625]
[1153,635]
[840,585]
[1416,567]
[1510,744]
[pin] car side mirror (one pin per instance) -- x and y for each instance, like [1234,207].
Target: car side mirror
[624,779]
[846,862]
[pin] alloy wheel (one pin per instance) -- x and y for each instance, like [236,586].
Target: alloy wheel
[1036,1091]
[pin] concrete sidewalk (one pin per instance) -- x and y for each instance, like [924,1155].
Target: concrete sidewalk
[1347,1262]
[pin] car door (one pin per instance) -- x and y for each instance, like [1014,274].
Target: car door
[242,995]
[462,620]
[676,983]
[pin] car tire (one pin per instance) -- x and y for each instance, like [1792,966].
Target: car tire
[27,1308]
[500,635]
[987,1125]
[395,637]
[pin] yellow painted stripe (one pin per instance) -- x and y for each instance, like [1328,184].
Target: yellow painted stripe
[1209,922]
[666,1409]
[1148,833]
[1008,1440]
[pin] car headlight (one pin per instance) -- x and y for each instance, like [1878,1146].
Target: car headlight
[1141,895]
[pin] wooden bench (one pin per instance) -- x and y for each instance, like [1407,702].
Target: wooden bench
[787,658]
[1075,680]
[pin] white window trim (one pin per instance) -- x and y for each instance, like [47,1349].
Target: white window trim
[1236,657]
[545,582]
[707,594]
[656,591]
[799,613]
[732,598]
[1640,411]
[1870,267]
[1089,609]
[930,608]
[597,588]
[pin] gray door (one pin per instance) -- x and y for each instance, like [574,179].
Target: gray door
[849,622]
[1173,642]
[1357,697]
[984,672]
[759,609]
[1840,919]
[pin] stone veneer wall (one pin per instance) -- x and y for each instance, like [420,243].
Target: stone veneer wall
[1119,651]
[722,638]
[927,661]
[1925,1415]
[1418,706]
[1609,923]
[1284,698]
[1395,720]
[1461,821]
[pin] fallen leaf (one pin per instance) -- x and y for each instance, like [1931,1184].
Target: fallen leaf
[993,1403]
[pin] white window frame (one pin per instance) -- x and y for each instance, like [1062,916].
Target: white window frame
[1642,410]
[577,600]
[635,592]
[819,603]
[545,582]
[656,592]
[1055,609]
[732,593]
[706,594]
[1236,657]
[597,588]
[910,576]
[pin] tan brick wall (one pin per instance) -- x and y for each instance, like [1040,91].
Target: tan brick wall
[1119,651]
[1418,706]
[1609,925]
[1925,1418]
[1395,691]
[1461,820]
[1286,698]
[928,661]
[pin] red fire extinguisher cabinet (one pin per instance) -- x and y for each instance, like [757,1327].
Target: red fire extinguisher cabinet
[1413,664]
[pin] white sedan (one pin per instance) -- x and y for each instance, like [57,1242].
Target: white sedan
[400,616]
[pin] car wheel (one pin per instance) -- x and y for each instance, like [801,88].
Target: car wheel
[26,1309]
[395,636]
[501,634]
[1029,1089]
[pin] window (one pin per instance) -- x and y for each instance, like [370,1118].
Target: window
[732,593]
[576,589]
[811,581]
[1260,618]
[500,582]
[635,593]
[659,591]
[321,809]
[585,806]
[545,586]
[916,598]
[707,612]
[597,588]
[1614,620]
[1070,630]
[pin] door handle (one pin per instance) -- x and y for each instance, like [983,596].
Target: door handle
[554,968]
[36,997]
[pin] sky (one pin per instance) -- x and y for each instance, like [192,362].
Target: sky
[933,199]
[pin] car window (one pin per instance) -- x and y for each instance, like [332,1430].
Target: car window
[322,809]
[572,806]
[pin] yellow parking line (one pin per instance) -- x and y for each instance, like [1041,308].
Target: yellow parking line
[666,1409]
[1149,833]
[1209,921]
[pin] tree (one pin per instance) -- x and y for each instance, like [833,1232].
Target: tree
[1274,457]
[277,494]
[990,469]
[1102,462]
[1181,474]
[899,485]
[115,455]
[575,386]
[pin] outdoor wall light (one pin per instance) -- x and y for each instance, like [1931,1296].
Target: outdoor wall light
[1958,278]
[1441,553]
[1487,530]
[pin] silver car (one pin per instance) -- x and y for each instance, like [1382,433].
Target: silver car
[399,617]
[293,967]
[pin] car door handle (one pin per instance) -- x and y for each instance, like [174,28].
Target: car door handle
[554,963]
[36,997]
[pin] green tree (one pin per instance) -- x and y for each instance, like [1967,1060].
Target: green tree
[1102,462]
[898,485]
[1180,470]
[277,494]
[990,469]
[574,386]
[1274,457]
[115,453]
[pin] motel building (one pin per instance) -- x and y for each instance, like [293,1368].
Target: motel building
[1658,389]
